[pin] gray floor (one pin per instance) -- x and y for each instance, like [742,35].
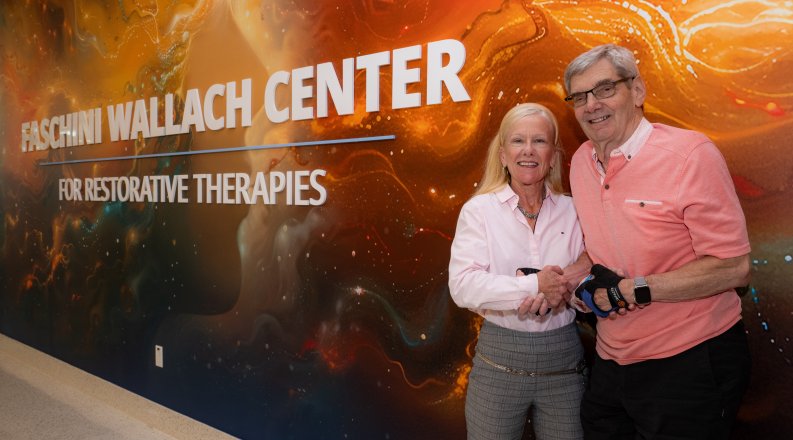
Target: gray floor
[44,398]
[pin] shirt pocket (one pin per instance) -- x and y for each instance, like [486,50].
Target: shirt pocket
[648,225]
[649,217]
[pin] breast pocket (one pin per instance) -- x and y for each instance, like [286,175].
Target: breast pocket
[646,213]
[650,218]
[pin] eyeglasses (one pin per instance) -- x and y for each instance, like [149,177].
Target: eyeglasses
[602,91]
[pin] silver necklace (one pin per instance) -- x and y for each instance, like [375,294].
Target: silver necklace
[527,214]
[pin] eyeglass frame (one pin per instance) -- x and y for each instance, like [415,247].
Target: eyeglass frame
[571,97]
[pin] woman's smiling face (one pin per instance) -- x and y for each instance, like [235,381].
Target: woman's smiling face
[528,149]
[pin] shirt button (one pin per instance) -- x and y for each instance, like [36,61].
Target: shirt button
[607,186]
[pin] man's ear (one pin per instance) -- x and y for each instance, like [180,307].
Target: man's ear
[639,91]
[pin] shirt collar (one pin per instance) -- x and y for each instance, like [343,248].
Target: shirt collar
[507,195]
[634,143]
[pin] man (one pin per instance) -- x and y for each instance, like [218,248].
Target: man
[657,206]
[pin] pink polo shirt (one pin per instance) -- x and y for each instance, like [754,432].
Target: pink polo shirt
[666,203]
[493,239]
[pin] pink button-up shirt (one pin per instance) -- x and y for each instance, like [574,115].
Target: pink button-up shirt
[493,240]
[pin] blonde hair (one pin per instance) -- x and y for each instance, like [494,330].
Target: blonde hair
[496,175]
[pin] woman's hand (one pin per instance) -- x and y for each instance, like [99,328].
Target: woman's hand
[534,305]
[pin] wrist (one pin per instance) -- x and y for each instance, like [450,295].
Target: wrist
[626,286]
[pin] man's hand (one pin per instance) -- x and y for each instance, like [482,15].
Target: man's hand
[601,291]
[625,285]
[553,285]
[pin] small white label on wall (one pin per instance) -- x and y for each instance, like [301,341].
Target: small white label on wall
[158,355]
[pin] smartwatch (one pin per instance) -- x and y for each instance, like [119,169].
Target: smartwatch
[641,291]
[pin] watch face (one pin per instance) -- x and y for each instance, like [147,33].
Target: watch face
[642,295]
[641,291]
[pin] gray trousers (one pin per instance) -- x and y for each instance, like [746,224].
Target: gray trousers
[497,402]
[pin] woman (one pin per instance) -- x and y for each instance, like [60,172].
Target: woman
[528,354]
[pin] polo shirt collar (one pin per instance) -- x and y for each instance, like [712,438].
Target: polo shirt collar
[632,146]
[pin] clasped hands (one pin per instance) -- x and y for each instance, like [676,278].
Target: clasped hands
[553,293]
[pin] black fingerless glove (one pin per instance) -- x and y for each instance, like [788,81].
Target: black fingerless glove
[605,278]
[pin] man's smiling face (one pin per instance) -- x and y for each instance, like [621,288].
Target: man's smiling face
[608,122]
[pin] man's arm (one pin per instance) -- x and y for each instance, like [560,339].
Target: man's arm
[574,273]
[700,278]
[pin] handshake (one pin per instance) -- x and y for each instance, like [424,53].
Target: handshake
[601,277]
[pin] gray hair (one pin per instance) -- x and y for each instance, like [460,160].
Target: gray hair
[621,58]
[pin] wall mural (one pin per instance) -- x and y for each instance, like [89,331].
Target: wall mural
[319,308]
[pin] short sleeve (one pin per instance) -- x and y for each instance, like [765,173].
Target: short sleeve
[711,209]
